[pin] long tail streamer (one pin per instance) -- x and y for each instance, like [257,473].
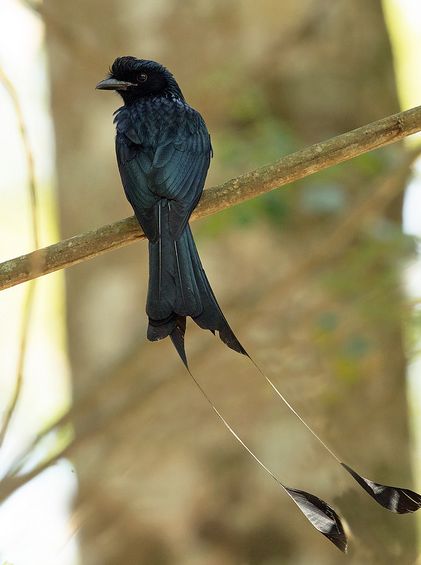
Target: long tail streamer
[318,512]
[395,499]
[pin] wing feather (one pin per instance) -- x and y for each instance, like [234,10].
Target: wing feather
[174,169]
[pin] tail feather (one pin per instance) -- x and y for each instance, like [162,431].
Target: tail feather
[211,317]
[178,287]
[177,338]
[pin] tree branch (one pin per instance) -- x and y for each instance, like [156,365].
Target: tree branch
[284,171]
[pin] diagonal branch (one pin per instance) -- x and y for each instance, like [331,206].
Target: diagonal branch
[284,171]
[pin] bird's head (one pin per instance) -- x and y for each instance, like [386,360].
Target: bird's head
[138,78]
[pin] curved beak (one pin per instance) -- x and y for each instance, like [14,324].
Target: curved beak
[113,84]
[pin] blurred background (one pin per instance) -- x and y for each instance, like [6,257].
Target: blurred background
[109,454]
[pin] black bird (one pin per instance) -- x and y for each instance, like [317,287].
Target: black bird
[163,151]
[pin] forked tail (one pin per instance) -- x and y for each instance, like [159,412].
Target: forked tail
[178,287]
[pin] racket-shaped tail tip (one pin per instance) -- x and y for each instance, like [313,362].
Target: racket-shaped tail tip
[395,499]
[321,516]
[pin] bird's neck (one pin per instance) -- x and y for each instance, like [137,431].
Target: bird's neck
[132,98]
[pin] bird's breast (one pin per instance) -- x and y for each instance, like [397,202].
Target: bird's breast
[152,122]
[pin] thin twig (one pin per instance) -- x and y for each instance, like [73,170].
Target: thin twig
[288,169]
[30,292]
[26,317]
[4,79]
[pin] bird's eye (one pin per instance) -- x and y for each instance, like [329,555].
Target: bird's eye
[142,77]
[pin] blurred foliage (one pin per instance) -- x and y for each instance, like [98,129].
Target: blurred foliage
[256,138]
